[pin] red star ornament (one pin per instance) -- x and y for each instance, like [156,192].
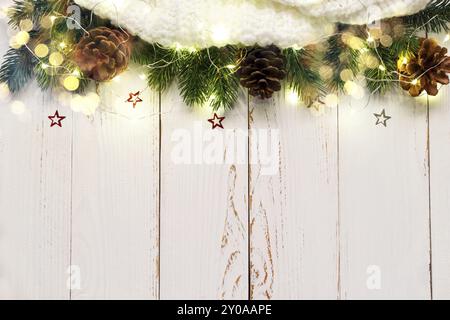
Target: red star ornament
[134,98]
[58,120]
[216,121]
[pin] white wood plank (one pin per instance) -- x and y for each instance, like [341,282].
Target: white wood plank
[34,197]
[115,196]
[384,227]
[203,204]
[440,192]
[293,208]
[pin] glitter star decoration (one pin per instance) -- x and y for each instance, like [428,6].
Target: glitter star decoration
[134,98]
[382,118]
[216,121]
[56,119]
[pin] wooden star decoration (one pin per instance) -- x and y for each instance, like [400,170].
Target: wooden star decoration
[58,120]
[216,121]
[382,118]
[134,98]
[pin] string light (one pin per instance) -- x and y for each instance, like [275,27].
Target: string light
[381,67]
[331,100]
[76,73]
[44,66]
[231,66]
[447,37]
[17,107]
[62,45]
[414,82]
[292,97]
[26,25]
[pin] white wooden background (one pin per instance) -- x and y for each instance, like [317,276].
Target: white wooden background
[103,195]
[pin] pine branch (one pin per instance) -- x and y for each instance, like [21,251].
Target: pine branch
[17,68]
[434,18]
[300,76]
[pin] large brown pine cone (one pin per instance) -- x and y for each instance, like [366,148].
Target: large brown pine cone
[262,70]
[103,53]
[425,70]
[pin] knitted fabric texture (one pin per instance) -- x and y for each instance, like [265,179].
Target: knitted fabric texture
[205,23]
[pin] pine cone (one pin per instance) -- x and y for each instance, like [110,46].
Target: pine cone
[425,70]
[103,53]
[262,71]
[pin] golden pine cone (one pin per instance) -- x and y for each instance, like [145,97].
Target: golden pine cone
[425,70]
[262,71]
[103,53]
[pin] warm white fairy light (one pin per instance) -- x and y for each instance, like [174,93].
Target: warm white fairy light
[76,73]
[220,34]
[62,45]
[382,67]
[414,82]
[231,66]
[447,37]
[292,97]
[142,76]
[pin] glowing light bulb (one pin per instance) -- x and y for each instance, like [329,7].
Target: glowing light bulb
[292,97]
[17,107]
[142,76]
[62,45]
[382,68]
[41,50]
[447,37]
[22,38]
[71,83]
[405,60]
[231,66]
[44,66]
[414,82]
[52,19]
[26,25]
[56,59]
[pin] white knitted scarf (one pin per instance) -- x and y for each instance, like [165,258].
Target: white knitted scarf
[204,23]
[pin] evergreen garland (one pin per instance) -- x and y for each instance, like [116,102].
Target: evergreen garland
[209,75]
